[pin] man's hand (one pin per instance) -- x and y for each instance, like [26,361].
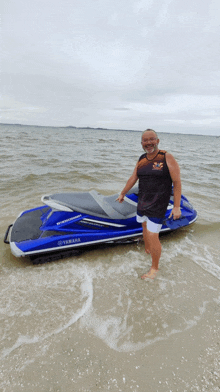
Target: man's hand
[175,213]
[120,198]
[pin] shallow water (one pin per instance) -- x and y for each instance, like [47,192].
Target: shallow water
[99,294]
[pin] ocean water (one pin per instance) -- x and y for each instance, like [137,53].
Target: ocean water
[48,312]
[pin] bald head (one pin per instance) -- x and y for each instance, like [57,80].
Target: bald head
[150,130]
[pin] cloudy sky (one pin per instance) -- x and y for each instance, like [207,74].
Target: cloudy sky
[128,64]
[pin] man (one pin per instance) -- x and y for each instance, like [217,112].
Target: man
[156,170]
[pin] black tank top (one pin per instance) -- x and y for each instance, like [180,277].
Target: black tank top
[155,185]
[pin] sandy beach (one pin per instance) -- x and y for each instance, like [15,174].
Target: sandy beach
[92,354]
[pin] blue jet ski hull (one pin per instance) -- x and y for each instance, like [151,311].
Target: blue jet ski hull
[80,219]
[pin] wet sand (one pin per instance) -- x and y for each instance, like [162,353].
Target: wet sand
[85,357]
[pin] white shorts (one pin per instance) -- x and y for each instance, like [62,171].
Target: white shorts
[153,224]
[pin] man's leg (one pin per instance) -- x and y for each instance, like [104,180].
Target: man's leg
[145,236]
[155,251]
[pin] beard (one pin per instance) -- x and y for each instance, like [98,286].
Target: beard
[153,147]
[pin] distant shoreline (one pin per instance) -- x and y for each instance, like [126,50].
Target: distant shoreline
[72,127]
[104,129]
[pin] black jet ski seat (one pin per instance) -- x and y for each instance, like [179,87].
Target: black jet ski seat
[93,203]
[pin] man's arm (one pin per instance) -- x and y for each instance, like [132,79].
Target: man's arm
[175,175]
[130,183]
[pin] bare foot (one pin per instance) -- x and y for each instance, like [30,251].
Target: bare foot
[151,274]
[147,251]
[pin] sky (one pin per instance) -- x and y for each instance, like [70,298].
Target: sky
[121,64]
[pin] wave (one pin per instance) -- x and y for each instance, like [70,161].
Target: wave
[56,323]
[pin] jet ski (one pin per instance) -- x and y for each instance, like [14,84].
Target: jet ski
[76,220]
